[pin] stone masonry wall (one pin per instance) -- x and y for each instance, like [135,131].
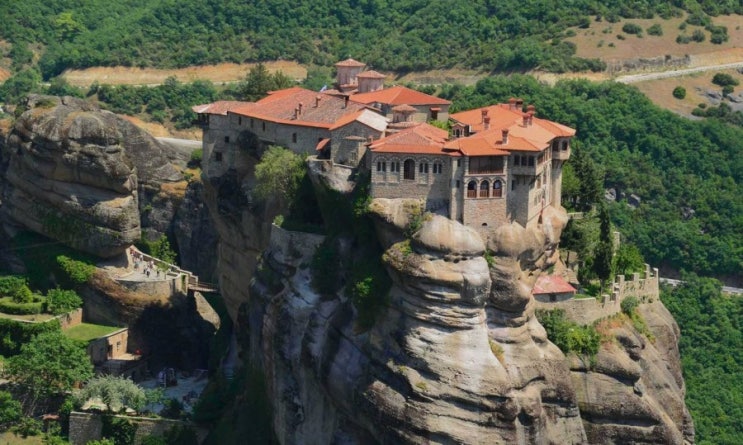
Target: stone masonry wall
[587,310]
[86,427]
[433,188]
[70,319]
[338,139]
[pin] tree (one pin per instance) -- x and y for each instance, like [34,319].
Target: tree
[49,364]
[628,260]
[679,92]
[590,179]
[603,256]
[259,82]
[278,175]
[723,79]
[10,410]
[117,393]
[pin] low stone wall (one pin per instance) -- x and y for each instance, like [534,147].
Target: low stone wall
[85,427]
[583,311]
[160,289]
[587,310]
[70,319]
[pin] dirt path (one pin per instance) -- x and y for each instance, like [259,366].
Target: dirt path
[634,78]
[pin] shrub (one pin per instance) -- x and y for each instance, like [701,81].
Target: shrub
[27,426]
[60,301]
[632,28]
[568,335]
[121,431]
[698,36]
[655,30]
[727,90]
[10,410]
[683,39]
[621,36]
[196,157]
[79,272]
[723,79]
[679,92]
[9,306]
[629,305]
[16,288]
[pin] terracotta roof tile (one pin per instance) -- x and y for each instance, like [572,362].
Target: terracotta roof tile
[372,75]
[350,62]
[422,138]
[551,284]
[279,107]
[398,95]
[220,107]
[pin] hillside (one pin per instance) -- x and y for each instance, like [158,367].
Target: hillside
[399,36]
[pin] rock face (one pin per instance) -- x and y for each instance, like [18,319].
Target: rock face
[458,355]
[77,174]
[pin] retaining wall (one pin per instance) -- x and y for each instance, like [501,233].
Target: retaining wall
[85,427]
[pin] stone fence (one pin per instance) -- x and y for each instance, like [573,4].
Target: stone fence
[175,280]
[587,310]
[86,427]
[67,320]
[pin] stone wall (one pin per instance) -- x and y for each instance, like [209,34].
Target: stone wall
[98,349]
[70,319]
[85,427]
[349,138]
[433,188]
[588,310]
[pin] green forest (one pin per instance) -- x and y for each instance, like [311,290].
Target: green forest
[399,36]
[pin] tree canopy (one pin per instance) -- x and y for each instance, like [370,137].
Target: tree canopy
[49,364]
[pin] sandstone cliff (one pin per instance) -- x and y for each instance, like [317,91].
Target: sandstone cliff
[457,356]
[76,173]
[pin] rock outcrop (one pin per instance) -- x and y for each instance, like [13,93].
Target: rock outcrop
[458,355]
[77,173]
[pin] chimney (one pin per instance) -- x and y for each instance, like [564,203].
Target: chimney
[299,107]
[345,103]
[531,117]
[296,112]
[531,109]
[487,122]
[519,103]
[512,103]
[317,101]
[526,120]
[484,113]
[505,136]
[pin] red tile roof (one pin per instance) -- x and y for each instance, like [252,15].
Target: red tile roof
[279,107]
[350,62]
[552,284]
[372,75]
[398,95]
[420,139]
[220,107]
[533,137]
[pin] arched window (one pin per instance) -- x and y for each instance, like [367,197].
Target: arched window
[484,189]
[497,189]
[408,169]
[472,189]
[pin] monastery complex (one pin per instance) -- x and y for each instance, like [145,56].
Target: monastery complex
[498,164]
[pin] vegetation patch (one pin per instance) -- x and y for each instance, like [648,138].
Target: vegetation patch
[568,335]
[87,331]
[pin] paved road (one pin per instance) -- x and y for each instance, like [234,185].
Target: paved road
[725,289]
[633,78]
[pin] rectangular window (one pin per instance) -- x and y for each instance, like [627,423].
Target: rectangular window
[513,184]
[226,139]
[381,166]
[459,162]
[531,161]
[239,120]
[395,167]
[252,123]
[294,138]
[458,183]
[517,160]
[263,125]
[218,156]
[422,168]
[437,168]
